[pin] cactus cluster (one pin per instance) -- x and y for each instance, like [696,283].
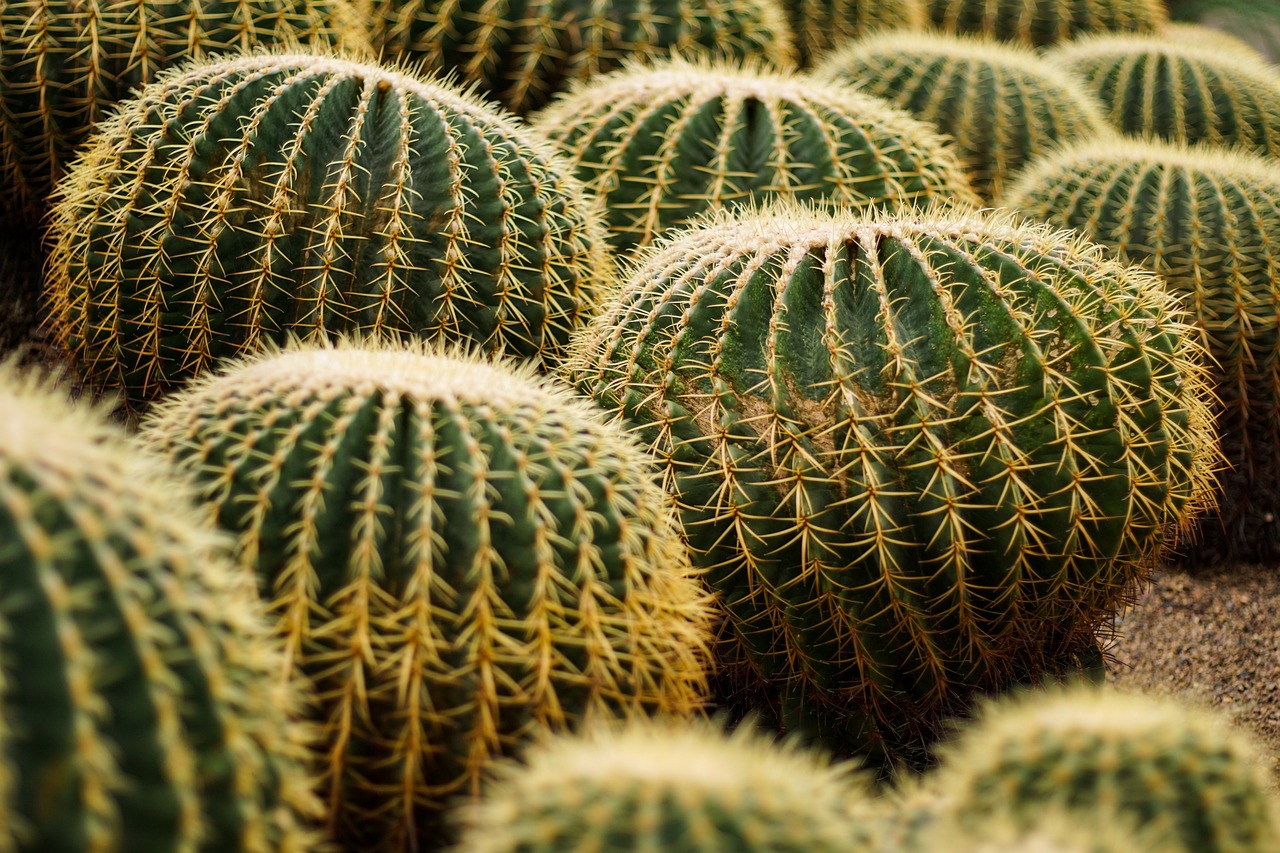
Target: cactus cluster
[916,454]
[1001,103]
[460,555]
[237,202]
[141,707]
[663,145]
[821,25]
[1044,22]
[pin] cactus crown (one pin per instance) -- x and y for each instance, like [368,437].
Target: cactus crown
[1045,22]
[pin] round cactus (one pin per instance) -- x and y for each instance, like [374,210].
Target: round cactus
[918,456]
[141,706]
[1180,91]
[523,53]
[679,788]
[63,66]
[1168,769]
[821,25]
[663,145]
[1207,221]
[1001,103]
[238,202]
[1051,831]
[1043,22]
[460,554]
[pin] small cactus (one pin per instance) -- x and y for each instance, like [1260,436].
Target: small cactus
[236,202]
[141,707]
[917,455]
[461,555]
[64,65]
[1001,103]
[663,145]
[821,25]
[680,788]
[1207,221]
[1179,90]
[523,53]
[1038,23]
[1168,769]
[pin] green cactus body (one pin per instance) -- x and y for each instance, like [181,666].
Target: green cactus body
[237,202]
[663,145]
[821,25]
[916,455]
[1208,222]
[141,707]
[1001,103]
[679,788]
[1178,773]
[1044,22]
[461,556]
[63,66]
[1053,830]
[1180,91]
[523,52]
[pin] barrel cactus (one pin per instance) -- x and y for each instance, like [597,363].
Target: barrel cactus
[63,66]
[1179,90]
[1207,221]
[1043,22]
[663,145]
[1169,769]
[678,788]
[1003,105]
[918,455]
[821,25]
[523,53]
[460,555]
[141,706]
[240,201]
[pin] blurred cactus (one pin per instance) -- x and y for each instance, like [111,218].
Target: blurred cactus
[821,25]
[236,202]
[918,456]
[63,66]
[1179,90]
[1051,830]
[1255,21]
[523,53]
[461,556]
[663,145]
[1001,103]
[1043,22]
[141,707]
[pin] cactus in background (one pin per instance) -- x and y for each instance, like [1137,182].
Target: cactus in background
[661,146]
[521,54]
[821,25]
[681,788]
[1182,773]
[1179,90]
[1053,830]
[1043,22]
[461,556]
[236,202]
[1207,221]
[918,456]
[1001,103]
[63,66]
[1254,21]
[141,706]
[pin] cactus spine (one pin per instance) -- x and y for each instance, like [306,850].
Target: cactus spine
[1043,22]
[663,145]
[914,455]
[63,66]
[1002,103]
[821,25]
[523,53]
[235,202]
[141,707]
[461,556]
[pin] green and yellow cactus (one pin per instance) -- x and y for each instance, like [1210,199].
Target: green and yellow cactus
[63,66]
[1180,91]
[1001,103]
[673,787]
[1052,830]
[1038,23]
[237,202]
[461,555]
[917,455]
[663,145]
[1207,221]
[141,706]
[1178,772]
[523,53]
[821,25]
